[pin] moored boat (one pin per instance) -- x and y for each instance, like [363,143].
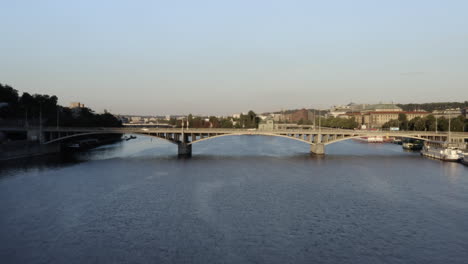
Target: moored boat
[374,139]
[83,144]
[129,138]
[440,150]
[410,144]
[464,158]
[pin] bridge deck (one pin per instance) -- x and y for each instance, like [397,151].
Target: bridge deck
[128,130]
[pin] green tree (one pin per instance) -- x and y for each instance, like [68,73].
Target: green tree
[457,124]
[8,94]
[419,124]
[226,123]
[391,123]
[430,123]
[402,117]
[442,124]
[214,122]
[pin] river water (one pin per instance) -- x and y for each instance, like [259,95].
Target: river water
[239,199]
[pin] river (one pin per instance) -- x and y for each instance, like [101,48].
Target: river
[239,199]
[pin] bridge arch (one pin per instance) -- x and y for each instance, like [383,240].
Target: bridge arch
[255,134]
[360,136]
[56,140]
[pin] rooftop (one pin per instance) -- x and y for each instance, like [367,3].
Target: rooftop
[382,106]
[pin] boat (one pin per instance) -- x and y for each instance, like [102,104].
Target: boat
[374,139]
[464,158]
[412,144]
[441,150]
[73,146]
[83,144]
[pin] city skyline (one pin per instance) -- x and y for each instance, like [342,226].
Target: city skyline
[223,58]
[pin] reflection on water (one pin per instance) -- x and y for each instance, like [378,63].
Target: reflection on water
[241,199]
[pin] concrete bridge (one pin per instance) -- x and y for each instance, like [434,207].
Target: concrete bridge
[185,138]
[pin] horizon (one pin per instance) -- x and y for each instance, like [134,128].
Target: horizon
[239,112]
[159,58]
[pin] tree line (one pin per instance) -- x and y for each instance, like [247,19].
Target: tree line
[30,109]
[430,107]
[333,122]
[428,123]
[337,122]
[249,120]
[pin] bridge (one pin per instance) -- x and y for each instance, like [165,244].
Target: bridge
[185,138]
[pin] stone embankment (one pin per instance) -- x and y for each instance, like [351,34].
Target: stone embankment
[23,149]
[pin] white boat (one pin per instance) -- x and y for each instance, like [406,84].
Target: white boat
[464,158]
[374,139]
[440,150]
[412,145]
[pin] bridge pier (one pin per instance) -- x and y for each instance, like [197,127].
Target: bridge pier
[184,149]
[317,148]
[35,135]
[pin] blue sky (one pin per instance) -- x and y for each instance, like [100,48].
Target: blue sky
[222,57]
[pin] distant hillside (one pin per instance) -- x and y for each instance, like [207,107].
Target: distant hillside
[433,106]
[290,111]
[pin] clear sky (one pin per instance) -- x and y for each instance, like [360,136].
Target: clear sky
[223,57]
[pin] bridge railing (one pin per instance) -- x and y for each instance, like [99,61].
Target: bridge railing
[230,130]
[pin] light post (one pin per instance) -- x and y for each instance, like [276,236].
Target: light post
[26,124]
[320,121]
[450,117]
[40,122]
[315,118]
[58,117]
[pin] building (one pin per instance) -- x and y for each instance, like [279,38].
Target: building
[279,117]
[76,105]
[303,114]
[357,116]
[267,124]
[382,108]
[465,112]
[135,119]
[375,119]
[336,111]
[448,113]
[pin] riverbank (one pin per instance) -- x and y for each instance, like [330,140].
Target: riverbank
[24,149]
[20,149]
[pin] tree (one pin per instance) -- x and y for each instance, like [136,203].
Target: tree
[249,121]
[419,124]
[430,123]
[404,125]
[402,117]
[457,124]
[8,94]
[433,106]
[214,122]
[442,124]
[226,123]
[391,123]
